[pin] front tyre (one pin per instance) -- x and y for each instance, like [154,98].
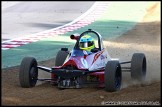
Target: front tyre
[113,76]
[28,73]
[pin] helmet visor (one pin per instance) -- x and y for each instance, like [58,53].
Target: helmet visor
[83,44]
[90,43]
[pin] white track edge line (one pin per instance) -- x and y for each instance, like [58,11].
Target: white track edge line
[75,20]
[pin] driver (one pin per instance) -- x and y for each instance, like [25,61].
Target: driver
[86,42]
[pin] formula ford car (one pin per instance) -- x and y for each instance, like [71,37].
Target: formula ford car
[74,69]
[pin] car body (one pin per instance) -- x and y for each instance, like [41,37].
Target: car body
[75,68]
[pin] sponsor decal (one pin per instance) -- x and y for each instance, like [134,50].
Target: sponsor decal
[102,57]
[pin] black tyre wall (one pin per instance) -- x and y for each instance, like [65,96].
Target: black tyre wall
[138,66]
[112,70]
[60,58]
[27,64]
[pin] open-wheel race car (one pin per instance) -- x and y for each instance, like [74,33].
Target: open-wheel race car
[73,69]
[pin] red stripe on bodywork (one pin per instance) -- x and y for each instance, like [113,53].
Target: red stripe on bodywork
[96,56]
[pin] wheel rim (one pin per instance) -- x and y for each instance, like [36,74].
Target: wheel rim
[33,76]
[117,78]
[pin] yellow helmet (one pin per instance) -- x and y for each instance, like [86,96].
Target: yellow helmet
[86,42]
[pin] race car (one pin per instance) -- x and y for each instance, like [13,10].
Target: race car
[75,68]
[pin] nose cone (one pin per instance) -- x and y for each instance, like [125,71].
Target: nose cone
[77,62]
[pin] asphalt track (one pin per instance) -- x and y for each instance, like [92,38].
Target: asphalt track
[28,17]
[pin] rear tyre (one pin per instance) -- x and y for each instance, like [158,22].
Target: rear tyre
[28,73]
[60,58]
[113,76]
[138,66]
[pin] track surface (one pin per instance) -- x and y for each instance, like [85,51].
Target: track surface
[24,18]
[145,37]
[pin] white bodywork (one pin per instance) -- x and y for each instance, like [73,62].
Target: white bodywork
[100,62]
